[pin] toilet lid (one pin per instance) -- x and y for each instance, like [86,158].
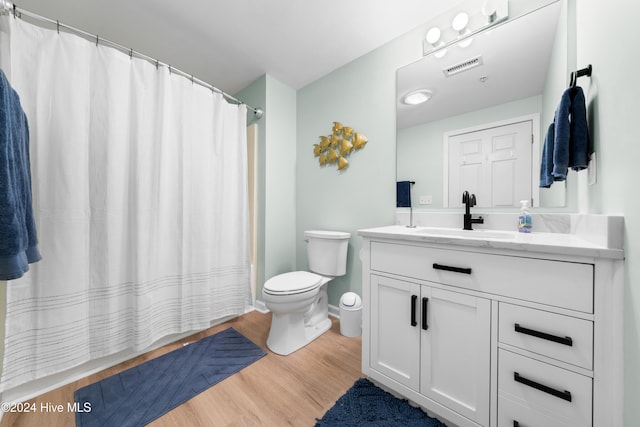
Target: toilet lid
[293,282]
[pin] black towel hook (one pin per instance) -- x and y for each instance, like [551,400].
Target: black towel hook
[573,79]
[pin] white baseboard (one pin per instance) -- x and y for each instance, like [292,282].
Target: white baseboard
[334,311]
[261,307]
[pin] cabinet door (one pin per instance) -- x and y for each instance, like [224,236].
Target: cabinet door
[456,352]
[395,333]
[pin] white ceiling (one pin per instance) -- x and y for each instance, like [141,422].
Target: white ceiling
[230,43]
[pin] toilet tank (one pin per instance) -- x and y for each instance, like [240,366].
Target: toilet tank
[327,252]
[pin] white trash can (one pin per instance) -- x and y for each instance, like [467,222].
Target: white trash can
[351,315]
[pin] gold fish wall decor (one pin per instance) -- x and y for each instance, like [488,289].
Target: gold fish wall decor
[333,155]
[345,147]
[340,144]
[342,163]
[359,141]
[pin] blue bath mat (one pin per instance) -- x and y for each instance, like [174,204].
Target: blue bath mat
[364,404]
[141,394]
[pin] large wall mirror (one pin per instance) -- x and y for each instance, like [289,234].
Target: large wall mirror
[510,73]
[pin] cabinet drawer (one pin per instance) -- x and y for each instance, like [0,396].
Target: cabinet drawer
[545,388]
[556,283]
[564,338]
[512,414]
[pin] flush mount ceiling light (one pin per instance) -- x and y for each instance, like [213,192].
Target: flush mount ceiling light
[417,97]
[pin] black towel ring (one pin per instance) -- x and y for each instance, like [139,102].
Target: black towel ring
[573,79]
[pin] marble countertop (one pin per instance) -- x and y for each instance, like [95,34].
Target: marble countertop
[540,242]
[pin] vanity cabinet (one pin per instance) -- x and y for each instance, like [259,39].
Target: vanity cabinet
[438,348]
[485,336]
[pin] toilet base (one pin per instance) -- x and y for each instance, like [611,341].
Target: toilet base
[288,333]
[292,331]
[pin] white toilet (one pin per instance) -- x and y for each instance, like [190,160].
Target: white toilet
[298,300]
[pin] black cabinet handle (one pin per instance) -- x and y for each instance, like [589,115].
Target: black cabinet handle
[464,270]
[414,298]
[565,395]
[561,340]
[425,301]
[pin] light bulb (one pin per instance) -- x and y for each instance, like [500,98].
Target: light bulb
[460,21]
[433,35]
[440,53]
[465,42]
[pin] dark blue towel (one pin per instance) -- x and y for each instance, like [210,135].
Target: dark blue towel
[571,144]
[546,162]
[580,146]
[403,194]
[18,240]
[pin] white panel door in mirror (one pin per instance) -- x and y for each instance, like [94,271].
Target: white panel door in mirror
[493,163]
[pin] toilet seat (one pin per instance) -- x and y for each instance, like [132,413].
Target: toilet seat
[294,282]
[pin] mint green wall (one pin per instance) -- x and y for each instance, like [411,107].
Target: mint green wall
[607,33]
[276,234]
[280,179]
[361,95]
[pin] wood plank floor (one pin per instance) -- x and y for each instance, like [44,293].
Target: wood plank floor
[276,390]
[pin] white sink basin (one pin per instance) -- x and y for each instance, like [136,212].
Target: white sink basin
[469,234]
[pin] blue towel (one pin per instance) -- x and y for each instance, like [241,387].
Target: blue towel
[571,143]
[546,162]
[403,194]
[18,240]
[580,147]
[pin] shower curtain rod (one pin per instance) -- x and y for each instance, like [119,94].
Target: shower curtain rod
[8,7]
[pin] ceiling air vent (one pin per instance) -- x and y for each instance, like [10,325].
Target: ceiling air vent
[463,66]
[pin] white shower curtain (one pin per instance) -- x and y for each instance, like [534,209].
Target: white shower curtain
[140,197]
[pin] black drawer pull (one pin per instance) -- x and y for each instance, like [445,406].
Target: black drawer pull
[425,301]
[454,269]
[414,298]
[552,391]
[560,340]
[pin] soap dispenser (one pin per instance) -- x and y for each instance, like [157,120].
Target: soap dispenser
[524,220]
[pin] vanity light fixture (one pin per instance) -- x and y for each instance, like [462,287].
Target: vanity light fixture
[417,97]
[474,18]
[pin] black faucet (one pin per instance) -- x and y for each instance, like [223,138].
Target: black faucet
[469,201]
